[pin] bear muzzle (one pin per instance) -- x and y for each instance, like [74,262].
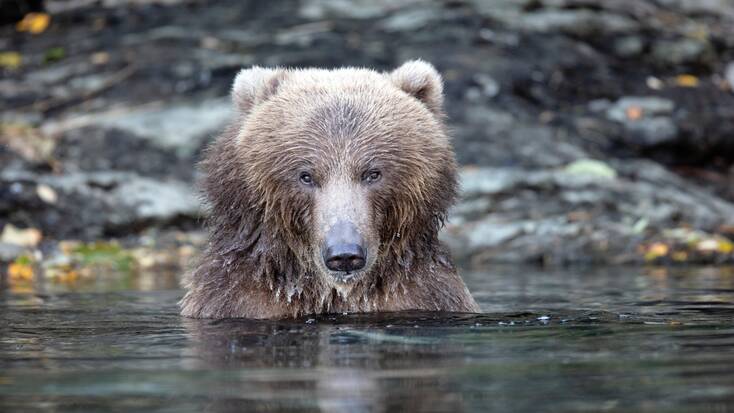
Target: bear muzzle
[344,249]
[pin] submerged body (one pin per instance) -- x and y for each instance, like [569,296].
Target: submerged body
[327,194]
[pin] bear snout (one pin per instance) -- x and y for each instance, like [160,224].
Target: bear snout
[344,249]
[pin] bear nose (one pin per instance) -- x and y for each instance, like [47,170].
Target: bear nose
[343,248]
[344,257]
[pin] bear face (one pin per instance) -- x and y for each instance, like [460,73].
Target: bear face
[329,184]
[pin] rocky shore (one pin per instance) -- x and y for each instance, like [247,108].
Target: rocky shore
[588,131]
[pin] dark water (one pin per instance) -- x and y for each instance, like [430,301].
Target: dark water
[593,340]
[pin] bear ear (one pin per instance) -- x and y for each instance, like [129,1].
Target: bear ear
[422,81]
[255,85]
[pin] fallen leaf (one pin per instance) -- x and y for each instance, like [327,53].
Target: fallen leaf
[708,245]
[68,247]
[640,225]
[29,237]
[62,274]
[546,116]
[591,167]
[47,194]
[27,141]
[633,112]
[686,81]
[54,54]
[100,58]
[578,216]
[99,23]
[10,60]
[656,250]
[34,23]
[654,83]
[20,270]
[726,247]
[716,244]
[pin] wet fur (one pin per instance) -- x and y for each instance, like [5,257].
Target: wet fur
[259,262]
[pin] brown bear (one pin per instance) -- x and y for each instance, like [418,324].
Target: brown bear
[326,195]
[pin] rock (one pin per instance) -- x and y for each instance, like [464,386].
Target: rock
[93,204]
[488,136]
[156,201]
[647,105]
[677,52]
[215,60]
[58,73]
[9,252]
[645,119]
[409,20]
[487,181]
[94,148]
[503,39]
[181,128]
[729,75]
[502,10]
[490,87]
[353,9]
[303,35]
[576,22]
[715,7]
[653,131]
[599,105]
[572,214]
[629,46]
[470,208]
[490,233]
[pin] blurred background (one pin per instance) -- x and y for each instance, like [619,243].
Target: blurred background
[589,132]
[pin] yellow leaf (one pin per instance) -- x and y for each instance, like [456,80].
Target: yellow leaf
[726,247]
[686,81]
[66,276]
[34,23]
[656,250]
[20,272]
[11,60]
[679,256]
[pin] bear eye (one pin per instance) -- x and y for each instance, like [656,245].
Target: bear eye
[372,176]
[306,178]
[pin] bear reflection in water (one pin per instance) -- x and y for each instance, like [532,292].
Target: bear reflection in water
[327,192]
[324,366]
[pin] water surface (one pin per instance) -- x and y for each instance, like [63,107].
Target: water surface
[581,340]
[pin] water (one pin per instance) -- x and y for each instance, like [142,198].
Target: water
[587,340]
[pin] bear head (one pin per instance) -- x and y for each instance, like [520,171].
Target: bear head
[338,176]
